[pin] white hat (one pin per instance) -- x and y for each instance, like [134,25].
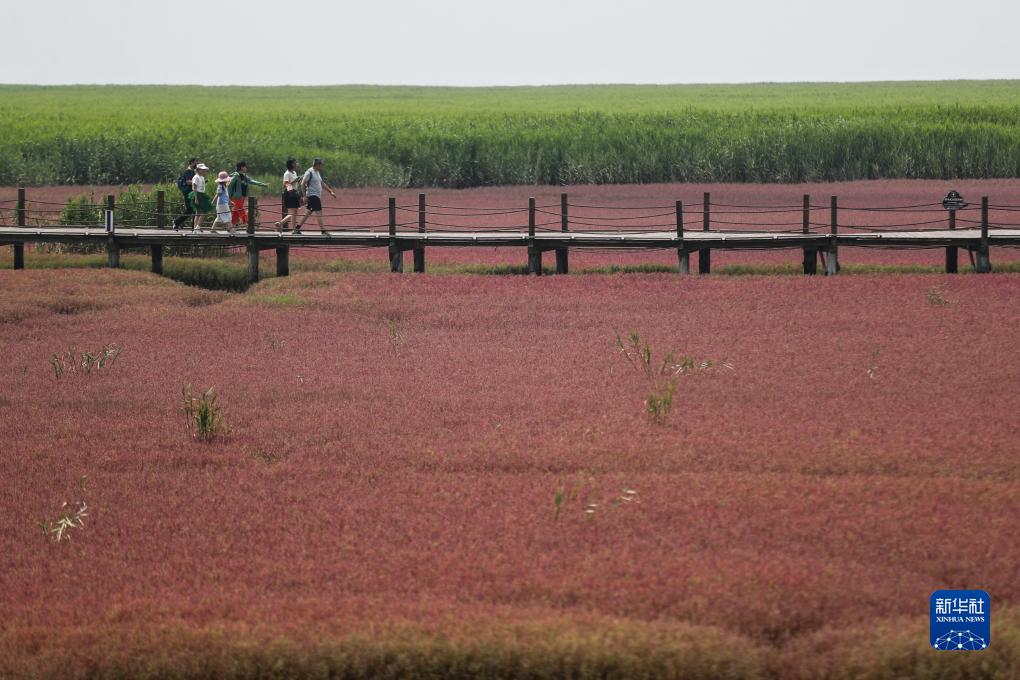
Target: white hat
[201,166]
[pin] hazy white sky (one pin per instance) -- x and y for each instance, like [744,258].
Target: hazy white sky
[483,42]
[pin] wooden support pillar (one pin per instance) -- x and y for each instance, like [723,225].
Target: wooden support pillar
[396,254]
[534,254]
[112,247]
[705,254]
[19,248]
[810,253]
[562,253]
[419,250]
[984,262]
[253,247]
[283,261]
[952,260]
[156,250]
[253,214]
[681,251]
[160,209]
[253,260]
[832,261]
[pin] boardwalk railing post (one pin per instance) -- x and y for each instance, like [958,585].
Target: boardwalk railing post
[705,254]
[112,247]
[681,251]
[832,261]
[156,249]
[984,262]
[396,254]
[253,214]
[952,261]
[161,209]
[419,250]
[19,248]
[282,257]
[253,248]
[562,253]
[534,254]
[810,252]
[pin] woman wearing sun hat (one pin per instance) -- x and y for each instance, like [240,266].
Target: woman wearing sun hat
[223,213]
[203,206]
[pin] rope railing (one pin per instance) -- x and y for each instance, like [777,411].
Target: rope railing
[706,215]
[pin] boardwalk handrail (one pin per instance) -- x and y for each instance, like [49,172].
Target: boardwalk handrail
[605,227]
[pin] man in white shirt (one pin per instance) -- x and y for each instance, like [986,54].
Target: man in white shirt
[311,184]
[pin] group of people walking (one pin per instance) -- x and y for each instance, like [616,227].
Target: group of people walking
[231,196]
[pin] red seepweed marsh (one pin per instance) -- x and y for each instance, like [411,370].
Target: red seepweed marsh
[460,472]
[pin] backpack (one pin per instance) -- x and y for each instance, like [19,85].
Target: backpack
[182,183]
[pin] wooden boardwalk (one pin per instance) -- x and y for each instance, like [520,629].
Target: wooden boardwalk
[536,240]
[403,241]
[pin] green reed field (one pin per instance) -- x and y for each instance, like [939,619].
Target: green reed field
[462,137]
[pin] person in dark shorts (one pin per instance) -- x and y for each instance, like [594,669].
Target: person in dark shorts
[184,184]
[291,196]
[312,184]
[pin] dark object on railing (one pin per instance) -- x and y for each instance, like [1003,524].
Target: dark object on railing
[954,201]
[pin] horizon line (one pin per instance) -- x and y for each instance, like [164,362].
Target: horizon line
[524,85]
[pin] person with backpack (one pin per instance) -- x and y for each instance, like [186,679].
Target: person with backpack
[200,200]
[311,184]
[238,188]
[184,184]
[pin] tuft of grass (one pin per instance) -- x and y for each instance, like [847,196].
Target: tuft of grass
[659,401]
[203,414]
[74,362]
[587,498]
[72,516]
[396,334]
[662,375]
[267,457]
[936,296]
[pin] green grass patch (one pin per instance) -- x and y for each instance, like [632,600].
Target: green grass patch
[211,273]
[280,300]
[231,274]
[628,269]
[604,649]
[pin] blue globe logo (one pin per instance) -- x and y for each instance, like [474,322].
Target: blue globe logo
[959,640]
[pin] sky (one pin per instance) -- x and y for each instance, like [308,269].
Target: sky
[519,42]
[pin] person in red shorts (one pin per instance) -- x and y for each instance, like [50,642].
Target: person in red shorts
[238,189]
